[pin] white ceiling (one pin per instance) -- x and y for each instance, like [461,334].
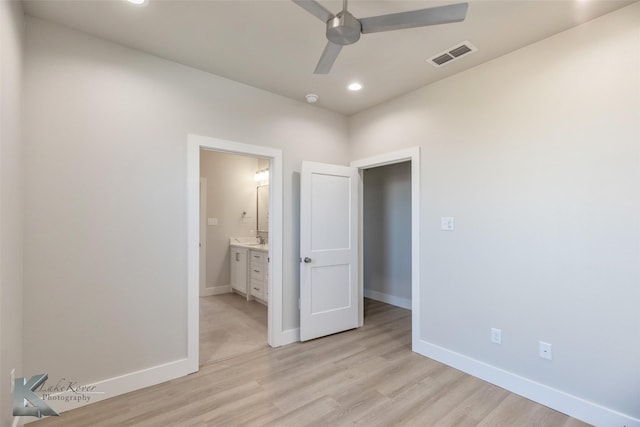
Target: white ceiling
[275,44]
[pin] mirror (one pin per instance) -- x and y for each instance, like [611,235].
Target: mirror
[263,208]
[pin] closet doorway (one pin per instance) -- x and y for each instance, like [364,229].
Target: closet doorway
[386,233]
[395,178]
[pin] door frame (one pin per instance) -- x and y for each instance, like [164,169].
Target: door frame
[195,143]
[202,278]
[413,156]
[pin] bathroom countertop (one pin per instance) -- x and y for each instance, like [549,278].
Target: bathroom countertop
[248,243]
[252,246]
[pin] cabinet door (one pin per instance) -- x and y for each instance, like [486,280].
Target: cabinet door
[239,269]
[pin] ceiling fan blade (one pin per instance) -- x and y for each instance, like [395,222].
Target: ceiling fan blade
[315,8]
[329,55]
[415,18]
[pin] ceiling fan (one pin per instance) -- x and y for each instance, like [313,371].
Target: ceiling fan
[345,29]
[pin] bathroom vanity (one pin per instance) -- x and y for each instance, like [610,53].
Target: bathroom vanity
[249,268]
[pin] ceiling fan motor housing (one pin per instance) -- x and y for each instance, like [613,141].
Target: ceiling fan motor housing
[343,29]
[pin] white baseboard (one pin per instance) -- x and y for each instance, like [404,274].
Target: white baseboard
[389,299]
[574,406]
[215,290]
[119,385]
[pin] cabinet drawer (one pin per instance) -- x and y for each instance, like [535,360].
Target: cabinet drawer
[259,289]
[259,256]
[258,271]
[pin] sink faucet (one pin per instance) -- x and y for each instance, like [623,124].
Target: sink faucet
[262,240]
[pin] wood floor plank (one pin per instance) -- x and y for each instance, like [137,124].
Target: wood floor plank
[352,407]
[367,377]
[442,404]
[474,408]
[403,407]
[313,411]
[410,371]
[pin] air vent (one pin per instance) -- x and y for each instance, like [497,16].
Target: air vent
[443,59]
[452,54]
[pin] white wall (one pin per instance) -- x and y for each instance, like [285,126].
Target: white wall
[231,190]
[11,200]
[537,156]
[105,244]
[387,233]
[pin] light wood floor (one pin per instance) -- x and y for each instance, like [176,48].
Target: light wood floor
[367,377]
[229,326]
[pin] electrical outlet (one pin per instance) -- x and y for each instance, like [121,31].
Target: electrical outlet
[13,380]
[545,350]
[496,336]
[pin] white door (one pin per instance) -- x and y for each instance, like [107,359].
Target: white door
[329,295]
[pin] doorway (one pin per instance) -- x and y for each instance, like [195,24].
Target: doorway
[234,210]
[412,156]
[275,335]
[387,233]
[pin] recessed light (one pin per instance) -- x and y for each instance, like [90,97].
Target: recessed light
[311,98]
[354,87]
[138,2]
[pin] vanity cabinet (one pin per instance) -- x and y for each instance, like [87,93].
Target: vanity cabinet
[239,269]
[250,272]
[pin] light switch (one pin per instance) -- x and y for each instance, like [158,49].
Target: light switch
[212,221]
[447,223]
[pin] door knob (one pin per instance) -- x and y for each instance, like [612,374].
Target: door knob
[307,260]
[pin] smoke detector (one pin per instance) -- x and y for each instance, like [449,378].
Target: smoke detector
[311,98]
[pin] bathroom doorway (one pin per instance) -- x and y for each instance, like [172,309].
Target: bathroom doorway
[234,230]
